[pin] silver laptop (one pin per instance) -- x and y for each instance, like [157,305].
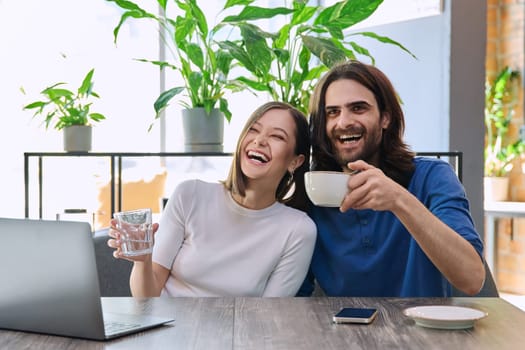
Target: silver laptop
[49,283]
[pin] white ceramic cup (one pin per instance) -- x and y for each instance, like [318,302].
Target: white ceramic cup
[326,188]
[136,231]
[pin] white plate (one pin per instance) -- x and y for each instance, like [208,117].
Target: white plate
[444,316]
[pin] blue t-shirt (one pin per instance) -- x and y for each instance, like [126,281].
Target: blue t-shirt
[370,253]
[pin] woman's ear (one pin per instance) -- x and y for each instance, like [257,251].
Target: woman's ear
[296,163]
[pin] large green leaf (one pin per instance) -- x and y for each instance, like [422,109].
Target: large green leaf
[239,54]
[355,11]
[162,4]
[231,3]
[303,14]
[324,49]
[183,29]
[57,93]
[126,5]
[165,97]
[283,56]
[37,104]
[385,40]
[161,64]
[199,16]
[257,48]
[329,14]
[195,54]
[223,106]
[253,84]
[362,51]
[283,37]
[195,81]
[224,61]
[87,84]
[344,14]
[304,59]
[250,13]
[97,117]
[134,11]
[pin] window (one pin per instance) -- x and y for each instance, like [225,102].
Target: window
[44,42]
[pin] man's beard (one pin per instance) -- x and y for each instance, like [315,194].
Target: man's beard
[368,152]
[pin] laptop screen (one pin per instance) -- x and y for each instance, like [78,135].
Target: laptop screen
[49,278]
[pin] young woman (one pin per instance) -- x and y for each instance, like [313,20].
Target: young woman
[237,238]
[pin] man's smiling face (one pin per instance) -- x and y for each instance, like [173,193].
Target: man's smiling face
[353,122]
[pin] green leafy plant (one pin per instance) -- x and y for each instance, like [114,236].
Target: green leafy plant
[62,107]
[500,103]
[288,62]
[196,54]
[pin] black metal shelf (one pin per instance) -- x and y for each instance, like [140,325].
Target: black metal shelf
[115,170]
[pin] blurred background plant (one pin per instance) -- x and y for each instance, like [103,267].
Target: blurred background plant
[501,96]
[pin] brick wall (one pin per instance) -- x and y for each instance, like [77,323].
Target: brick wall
[510,267]
[505,47]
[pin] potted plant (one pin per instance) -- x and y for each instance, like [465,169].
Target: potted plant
[200,62]
[281,64]
[70,111]
[288,62]
[500,151]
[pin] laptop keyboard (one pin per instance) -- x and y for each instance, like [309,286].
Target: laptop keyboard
[113,327]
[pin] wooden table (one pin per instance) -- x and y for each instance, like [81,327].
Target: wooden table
[293,323]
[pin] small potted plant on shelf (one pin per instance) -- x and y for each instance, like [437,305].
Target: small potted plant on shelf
[500,150]
[69,111]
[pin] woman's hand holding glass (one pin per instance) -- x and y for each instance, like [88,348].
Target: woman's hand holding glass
[116,242]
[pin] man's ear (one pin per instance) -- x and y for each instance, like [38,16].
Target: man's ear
[385,120]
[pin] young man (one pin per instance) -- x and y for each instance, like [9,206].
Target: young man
[404,228]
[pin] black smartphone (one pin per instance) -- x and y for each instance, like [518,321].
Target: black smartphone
[355,315]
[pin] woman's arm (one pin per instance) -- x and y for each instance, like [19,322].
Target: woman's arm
[147,278]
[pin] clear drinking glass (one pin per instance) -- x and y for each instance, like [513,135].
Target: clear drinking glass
[135,227]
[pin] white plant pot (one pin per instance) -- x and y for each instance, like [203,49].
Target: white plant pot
[78,138]
[202,132]
[496,188]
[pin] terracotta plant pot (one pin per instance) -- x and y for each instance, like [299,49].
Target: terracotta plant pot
[496,188]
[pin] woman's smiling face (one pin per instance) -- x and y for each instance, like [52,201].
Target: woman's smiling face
[268,147]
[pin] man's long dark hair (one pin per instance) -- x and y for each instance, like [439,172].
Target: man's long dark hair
[395,157]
